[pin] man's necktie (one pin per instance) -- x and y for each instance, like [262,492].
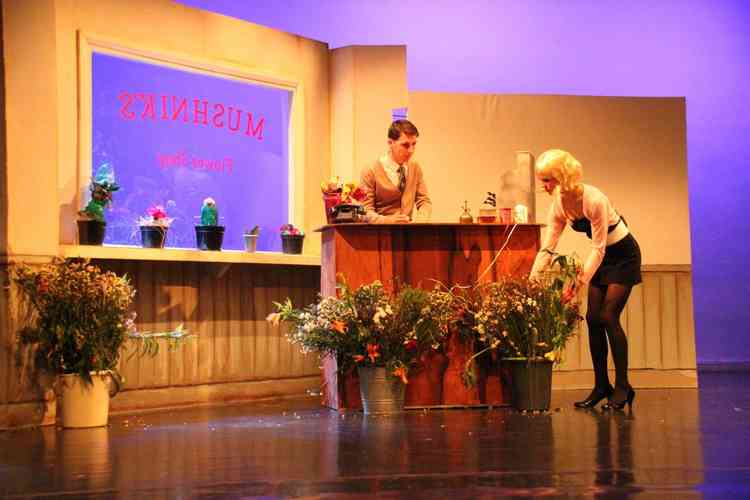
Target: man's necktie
[401,178]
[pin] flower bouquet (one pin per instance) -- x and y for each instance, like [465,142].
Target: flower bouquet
[342,201]
[529,322]
[154,227]
[78,319]
[365,329]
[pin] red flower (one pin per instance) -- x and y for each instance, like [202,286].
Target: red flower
[157,212]
[42,285]
[400,372]
[373,352]
[358,358]
[410,344]
[568,294]
[358,194]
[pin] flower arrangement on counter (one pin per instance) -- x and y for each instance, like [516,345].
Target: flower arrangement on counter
[342,201]
[348,193]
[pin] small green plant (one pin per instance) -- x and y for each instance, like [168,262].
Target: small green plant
[102,186]
[209,213]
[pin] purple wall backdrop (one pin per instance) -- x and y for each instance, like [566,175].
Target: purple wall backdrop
[699,49]
[177,137]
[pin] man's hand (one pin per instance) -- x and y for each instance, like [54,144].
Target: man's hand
[394,219]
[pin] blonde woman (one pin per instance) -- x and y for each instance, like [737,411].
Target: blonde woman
[611,269]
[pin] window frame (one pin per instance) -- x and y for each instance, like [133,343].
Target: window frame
[89,43]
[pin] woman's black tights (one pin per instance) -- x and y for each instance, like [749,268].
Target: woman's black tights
[605,304]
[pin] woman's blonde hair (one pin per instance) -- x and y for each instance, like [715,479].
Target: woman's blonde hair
[562,166]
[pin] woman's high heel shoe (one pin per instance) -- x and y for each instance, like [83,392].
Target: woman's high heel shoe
[594,398]
[620,405]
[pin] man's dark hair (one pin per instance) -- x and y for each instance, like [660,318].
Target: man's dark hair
[402,127]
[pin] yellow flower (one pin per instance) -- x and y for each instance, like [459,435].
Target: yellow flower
[274,318]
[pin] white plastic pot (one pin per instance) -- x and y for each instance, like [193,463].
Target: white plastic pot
[84,404]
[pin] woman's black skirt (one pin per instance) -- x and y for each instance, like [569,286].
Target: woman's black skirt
[621,264]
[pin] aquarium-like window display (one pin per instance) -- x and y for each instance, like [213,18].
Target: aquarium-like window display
[176,136]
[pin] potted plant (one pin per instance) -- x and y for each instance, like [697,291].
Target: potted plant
[365,331]
[80,319]
[292,239]
[209,235]
[154,227]
[530,322]
[251,239]
[342,201]
[91,223]
[423,318]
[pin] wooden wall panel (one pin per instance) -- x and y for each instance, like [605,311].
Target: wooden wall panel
[670,344]
[190,321]
[205,330]
[658,321]
[226,307]
[685,320]
[635,331]
[652,319]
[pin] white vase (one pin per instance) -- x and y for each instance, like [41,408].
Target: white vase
[84,404]
[251,241]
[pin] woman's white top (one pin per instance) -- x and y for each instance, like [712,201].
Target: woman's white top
[599,211]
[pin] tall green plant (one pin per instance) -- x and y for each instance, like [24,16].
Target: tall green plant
[80,317]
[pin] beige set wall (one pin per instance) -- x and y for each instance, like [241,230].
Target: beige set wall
[634,149]
[367,83]
[41,95]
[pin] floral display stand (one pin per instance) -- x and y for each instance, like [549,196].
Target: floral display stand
[421,255]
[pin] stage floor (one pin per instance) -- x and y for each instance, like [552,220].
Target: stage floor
[682,443]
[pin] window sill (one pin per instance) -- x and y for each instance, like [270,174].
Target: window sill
[122,252]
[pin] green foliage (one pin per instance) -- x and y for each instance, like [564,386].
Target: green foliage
[80,319]
[367,326]
[81,315]
[209,213]
[102,186]
[526,318]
